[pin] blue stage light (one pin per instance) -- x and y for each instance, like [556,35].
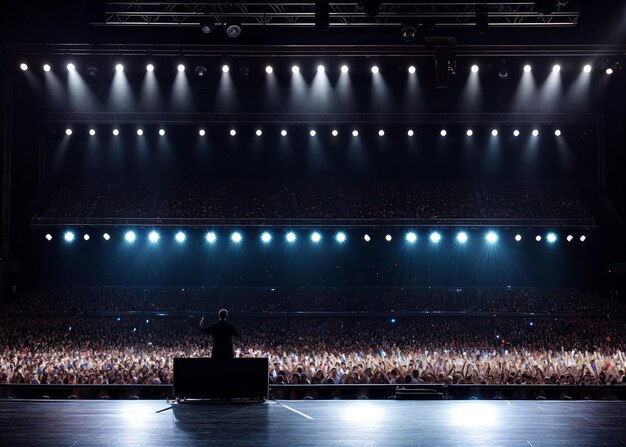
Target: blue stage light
[266,237]
[435,237]
[393,321]
[291,237]
[341,237]
[69,236]
[411,237]
[211,237]
[316,237]
[154,237]
[180,237]
[551,238]
[461,237]
[236,237]
[491,237]
[130,236]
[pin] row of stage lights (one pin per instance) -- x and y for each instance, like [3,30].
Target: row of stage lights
[355,133]
[266,237]
[296,69]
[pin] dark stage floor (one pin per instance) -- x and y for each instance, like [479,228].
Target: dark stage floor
[319,423]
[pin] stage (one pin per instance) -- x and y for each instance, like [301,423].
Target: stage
[320,423]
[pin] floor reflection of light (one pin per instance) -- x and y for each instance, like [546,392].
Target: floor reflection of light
[474,414]
[364,413]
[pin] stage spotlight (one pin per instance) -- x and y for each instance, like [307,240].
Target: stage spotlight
[119,68]
[180,237]
[556,68]
[408,33]
[162,132]
[71,67]
[116,132]
[236,237]
[527,68]
[259,132]
[411,237]
[283,133]
[321,69]
[92,132]
[535,132]
[516,133]
[587,68]
[609,71]
[233,132]
[48,237]
[200,71]
[411,69]
[150,67]
[68,132]
[154,237]
[474,68]
[341,237]
[335,132]
[503,73]
[393,321]
[388,238]
[381,133]
[106,236]
[69,236]
[551,238]
[557,132]
[23,66]
[86,237]
[312,133]
[518,237]
[269,69]
[211,237]
[316,237]
[494,132]
[225,68]
[295,69]
[443,132]
[367,238]
[291,237]
[266,237]
[130,236]
[469,132]
[202,132]
[375,69]
[206,27]
[583,238]
[410,132]
[92,70]
[181,68]
[538,238]
[569,238]
[233,30]
[47,67]
[140,132]
[461,237]
[435,237]
[491,237]
[355,133]
[344,69]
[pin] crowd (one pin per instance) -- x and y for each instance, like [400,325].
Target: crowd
[54,335]
[41,349]
[321,199]
[81,300]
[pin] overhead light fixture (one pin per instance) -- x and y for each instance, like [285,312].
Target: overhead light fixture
[474,68]
[408,33]
[269,69]
[225,68]
[200,71]
[119,68]
[557,132]
[494,132]
[443,132]
[469,132]
[283,133]
[181,68]
[321,69]
[162,132]
[556,68]
[609,71]
[206,27]
[587,68]
[68,132]
[535,132]
[202,132]
[92,70]
[412,69]
[295,69]
[410,132]
[355,133]
[312,133]
[116,132]
[527,68]
[71,67]
[47,67]
[344,68]
[516,133]
[381,133]
[92,132]
[375,69]
[335,132]
[150,67]
[233,30]
[140,132]
[23,66]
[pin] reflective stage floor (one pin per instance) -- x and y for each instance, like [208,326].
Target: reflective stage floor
[314,423]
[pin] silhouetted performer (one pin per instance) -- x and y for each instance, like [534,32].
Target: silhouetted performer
[223,334]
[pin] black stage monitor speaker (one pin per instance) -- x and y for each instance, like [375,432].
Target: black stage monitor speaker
[221,378]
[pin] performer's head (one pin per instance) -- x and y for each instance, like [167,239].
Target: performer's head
[223,314]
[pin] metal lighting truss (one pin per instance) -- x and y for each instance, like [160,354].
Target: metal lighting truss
[440,14]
